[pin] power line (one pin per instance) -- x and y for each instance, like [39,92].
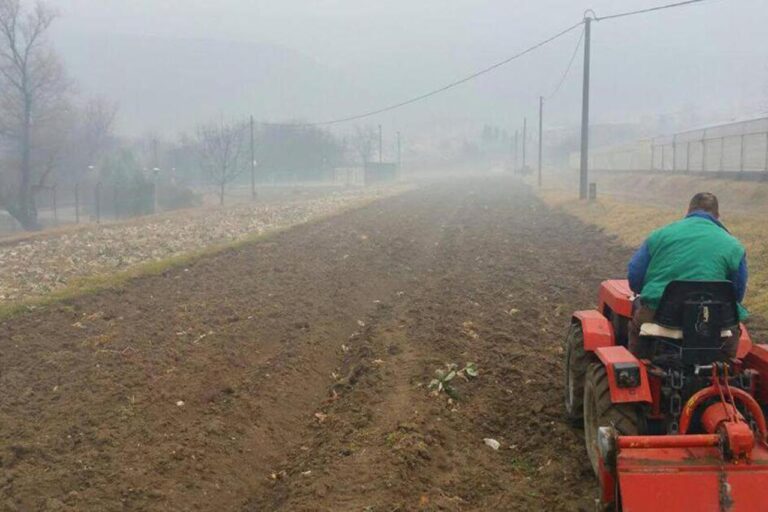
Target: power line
[568,69]
[502,63]
[452,84]
[650,9]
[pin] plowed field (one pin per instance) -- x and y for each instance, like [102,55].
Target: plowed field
[292,374]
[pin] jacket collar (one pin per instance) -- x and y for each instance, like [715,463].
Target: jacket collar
[705,215]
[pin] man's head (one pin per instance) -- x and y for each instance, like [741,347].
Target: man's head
[706,202]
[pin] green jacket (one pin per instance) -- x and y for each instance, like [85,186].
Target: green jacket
[698,248]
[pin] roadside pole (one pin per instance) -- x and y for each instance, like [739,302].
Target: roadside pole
[525,138]
[399,156]
[584,167]
[381,146]
[541,131]
[77,203]
[514,150]
[253,163]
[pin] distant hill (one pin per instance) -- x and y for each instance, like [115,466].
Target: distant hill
[167,85]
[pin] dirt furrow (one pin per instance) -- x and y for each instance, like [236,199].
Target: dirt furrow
[292,374]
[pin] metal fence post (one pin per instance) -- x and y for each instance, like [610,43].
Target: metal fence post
[722,153]
[653,154]
[77,203]
[674,152]
[55,209]
[766,152]
[741,155]
[98,203]
[704,151]
[688,157]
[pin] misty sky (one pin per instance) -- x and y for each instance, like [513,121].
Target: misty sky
[173,63]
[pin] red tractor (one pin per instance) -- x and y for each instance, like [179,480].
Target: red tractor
[683,427]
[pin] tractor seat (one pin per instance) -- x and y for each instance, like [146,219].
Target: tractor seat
[659,331]
[698,314]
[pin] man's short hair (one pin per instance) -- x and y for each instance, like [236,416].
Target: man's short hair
[705,201]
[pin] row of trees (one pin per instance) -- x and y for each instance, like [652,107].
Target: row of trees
[42,125]
[289,150]
[51,136]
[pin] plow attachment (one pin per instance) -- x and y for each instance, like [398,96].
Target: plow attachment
[681,473]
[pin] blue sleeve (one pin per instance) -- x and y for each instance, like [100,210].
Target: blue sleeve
[740,278]
[638,266]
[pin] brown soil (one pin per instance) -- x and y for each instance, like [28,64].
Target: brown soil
[291,374]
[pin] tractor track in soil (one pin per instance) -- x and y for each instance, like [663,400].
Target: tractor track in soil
[291,374]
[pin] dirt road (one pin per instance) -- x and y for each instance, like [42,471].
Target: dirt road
[291,375]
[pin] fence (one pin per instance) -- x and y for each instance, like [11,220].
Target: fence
[92,202]
[732,149]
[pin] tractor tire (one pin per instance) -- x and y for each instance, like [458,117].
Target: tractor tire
[577,361]
[599,411]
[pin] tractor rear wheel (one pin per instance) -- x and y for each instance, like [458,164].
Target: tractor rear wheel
[599,411]
[576,362]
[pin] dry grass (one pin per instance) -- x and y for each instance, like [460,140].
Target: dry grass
[631,220]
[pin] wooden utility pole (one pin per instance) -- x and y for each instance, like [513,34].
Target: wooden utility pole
[514,150]
[253,163]
[584,167]
[525,138]
[381,146]
[399,154]
[541,132]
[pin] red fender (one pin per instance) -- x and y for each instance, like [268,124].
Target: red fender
[618,354]
[598,331]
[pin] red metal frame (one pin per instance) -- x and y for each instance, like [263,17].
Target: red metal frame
[597,330]
[691,478]
[618,354]
[615,294]
[685,471]
[738,394]
[757,359]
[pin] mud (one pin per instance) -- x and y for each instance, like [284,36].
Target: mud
[292,374]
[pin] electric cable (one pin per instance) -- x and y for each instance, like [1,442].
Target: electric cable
[650,9]
[567,69]
[452,84]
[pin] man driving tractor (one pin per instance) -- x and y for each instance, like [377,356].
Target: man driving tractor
[698,248]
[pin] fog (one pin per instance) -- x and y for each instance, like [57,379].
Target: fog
[154,104]
[170,64]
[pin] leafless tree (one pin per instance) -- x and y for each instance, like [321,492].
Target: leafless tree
[97,120]
[222,153]
[33,94]
[364,141]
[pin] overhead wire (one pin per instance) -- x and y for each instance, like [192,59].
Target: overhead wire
[567,69]
[503,63]
[649,9]
[452,84]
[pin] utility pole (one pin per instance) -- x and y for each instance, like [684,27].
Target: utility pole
[381,146]
[525,138]
[541,131]
[399,154]
[253,163]
[514,150]
[584,168]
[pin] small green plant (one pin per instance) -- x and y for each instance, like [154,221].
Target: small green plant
[444,378]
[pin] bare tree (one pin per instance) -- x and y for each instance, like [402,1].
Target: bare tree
[222,153]
[97,121]
[364,141]
[32,100]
